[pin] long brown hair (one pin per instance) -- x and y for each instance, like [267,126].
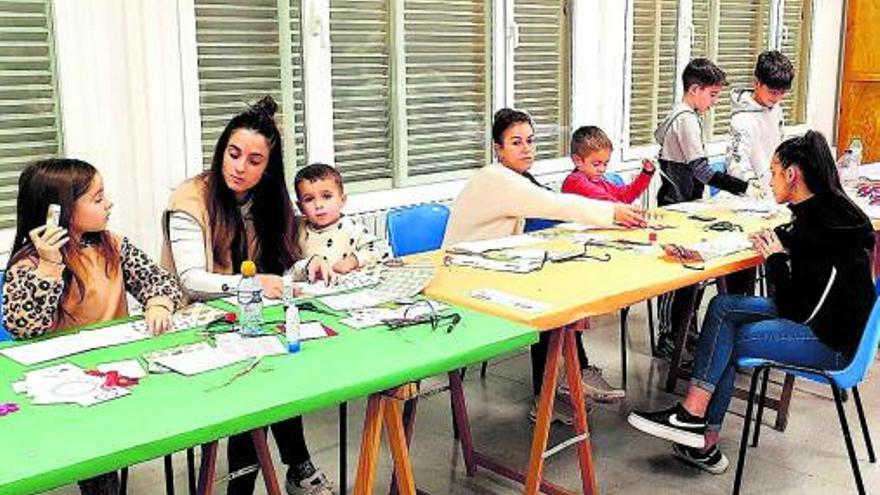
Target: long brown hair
[60,181]
[271,206]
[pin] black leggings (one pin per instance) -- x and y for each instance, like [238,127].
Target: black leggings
[241,453]
[539,358]
[105,484]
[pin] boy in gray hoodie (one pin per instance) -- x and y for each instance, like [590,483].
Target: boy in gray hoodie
[757,121]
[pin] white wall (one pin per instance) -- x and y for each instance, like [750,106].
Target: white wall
[121,103]
[124,95]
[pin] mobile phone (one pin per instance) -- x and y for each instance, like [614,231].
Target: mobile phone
[53,216]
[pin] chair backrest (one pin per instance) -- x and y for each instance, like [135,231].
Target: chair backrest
[613,178]
[533,224]
[4,334]
[866,352]
[416,229]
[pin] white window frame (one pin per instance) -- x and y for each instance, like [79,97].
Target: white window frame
[715,147]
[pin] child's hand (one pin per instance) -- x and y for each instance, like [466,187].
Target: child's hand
[648,166]
[319,269]
[347,264]
[158,319]
[48,242]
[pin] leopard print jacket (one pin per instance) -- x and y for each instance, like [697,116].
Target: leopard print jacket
[31,302]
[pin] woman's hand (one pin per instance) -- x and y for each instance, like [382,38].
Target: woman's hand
[48,242]
[319,269]
[273,285]
[767,243]
[346,264]
[158,319]
[628,215]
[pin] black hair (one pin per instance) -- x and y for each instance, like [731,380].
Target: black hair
[774,70]
[504,119]
[271,206]
[812,155]
[702,72]
[317,171]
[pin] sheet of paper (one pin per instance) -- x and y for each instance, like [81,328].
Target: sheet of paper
[514,241]
[371,317]
[510,300]
[231,348]
[67,345]
[514,265]
[312,330]
[66,384]
[582,227]
[348,282]
[130,368]
[397,283]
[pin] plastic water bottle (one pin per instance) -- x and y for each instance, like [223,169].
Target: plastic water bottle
[856,147]
[291,317]
[250,300]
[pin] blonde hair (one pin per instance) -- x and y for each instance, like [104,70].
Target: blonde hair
[588,139]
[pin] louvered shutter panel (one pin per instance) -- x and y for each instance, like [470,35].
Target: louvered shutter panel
[29,126]
[795,45]
[742,36]
[359,43]
[541,72]
[447,87]
[653,66]
[239,63]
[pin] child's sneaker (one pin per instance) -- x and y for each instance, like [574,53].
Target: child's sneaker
[674,424]
[562,411]
[596,388]
[711,460]
[306,479]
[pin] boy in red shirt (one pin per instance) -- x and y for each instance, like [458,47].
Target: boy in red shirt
[590,151]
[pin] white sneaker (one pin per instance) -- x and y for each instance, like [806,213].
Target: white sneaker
[306,479]
[595,386]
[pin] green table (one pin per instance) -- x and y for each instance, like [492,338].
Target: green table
[48,446]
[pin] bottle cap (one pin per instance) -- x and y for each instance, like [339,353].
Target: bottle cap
[248,268]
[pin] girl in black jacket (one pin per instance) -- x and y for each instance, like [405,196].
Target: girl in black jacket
[819,265]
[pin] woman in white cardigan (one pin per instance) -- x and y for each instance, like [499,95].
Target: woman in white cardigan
[495,203]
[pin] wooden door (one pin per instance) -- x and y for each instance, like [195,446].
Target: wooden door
[860,84]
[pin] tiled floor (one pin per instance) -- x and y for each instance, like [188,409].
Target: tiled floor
[809,457]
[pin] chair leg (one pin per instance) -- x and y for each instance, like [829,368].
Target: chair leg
[123,481]
[761,399]
[858,400]
[743,444]
[169,475]
[651,327]
[623,314]
[191,470]
[847,438]
[343,447]
[483,369]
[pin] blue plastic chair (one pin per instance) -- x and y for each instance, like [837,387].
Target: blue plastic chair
[416,229]
[4,334]
[613,178]
[840,380]
[533,224]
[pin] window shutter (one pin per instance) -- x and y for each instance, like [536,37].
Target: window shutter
[541,72]
[653,67]
[239,63]
[29,124]
[796,38]
[359,42]
[447,85]
[742,36]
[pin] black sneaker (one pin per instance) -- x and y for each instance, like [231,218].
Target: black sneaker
[711,459]
[306,479]
[674,424]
